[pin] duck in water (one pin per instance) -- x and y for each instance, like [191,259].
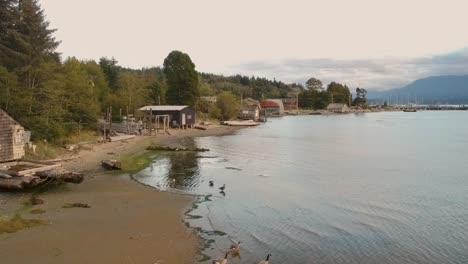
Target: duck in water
[222,187]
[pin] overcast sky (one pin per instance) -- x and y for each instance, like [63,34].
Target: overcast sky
[373,44]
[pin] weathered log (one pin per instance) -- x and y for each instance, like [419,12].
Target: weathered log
[19,183]
[111,164]
[168,148]
[5,176]
[63,175]
[200,127]
[121,137]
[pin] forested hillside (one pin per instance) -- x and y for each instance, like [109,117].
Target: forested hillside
[54,96]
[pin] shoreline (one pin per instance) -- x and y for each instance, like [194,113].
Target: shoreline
[128,222]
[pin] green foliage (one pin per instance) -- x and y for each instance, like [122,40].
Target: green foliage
[214,112]
[360,99]
[182,79]
[228,105]
[314,84]
[339,93]
[313,99]
[111,71]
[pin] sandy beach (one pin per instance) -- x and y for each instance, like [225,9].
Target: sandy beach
[127,222]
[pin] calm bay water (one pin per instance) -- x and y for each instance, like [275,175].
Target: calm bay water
[369,188]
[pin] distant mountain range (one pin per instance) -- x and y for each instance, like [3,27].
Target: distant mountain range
[448,89]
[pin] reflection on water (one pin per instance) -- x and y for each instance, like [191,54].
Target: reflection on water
[173,171]
[373,188]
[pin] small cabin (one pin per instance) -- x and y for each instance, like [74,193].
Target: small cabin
[338,108]
[181,116]
[12,138]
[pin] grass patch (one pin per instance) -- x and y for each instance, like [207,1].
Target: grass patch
[17,223]
[83,136]
[45,151]
[135,163]
[37,211]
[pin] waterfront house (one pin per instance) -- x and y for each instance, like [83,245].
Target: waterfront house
[250,109]
[12,138]
[338,108]
[273,107]
[181,116]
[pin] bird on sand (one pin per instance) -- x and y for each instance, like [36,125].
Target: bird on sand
[211,183]
[235,248]
[222,187]
[221,261]
[266,260]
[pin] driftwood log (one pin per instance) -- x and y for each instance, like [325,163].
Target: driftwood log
[111,164]
[4,176]
[11,182]
[200,127]
[167,148]
[62,175]
[20,183]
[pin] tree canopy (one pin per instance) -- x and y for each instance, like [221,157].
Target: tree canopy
[314,84]
[181,78]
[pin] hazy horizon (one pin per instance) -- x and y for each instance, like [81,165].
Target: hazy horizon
[360,43]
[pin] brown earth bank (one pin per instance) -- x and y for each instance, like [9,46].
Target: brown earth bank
[127,222]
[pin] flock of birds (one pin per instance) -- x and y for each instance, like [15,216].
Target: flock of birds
[235,249]
[222,188]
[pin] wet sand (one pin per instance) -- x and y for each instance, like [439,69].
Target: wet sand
[127,222]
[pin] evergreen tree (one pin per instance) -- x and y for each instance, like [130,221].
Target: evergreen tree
[112,71]
[182,79]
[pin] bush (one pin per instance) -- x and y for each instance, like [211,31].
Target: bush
[228,105]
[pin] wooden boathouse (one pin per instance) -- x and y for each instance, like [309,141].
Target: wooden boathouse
[181,116]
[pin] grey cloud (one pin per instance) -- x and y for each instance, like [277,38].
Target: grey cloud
[377,74]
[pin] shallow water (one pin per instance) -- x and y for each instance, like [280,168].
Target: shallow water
[368,188]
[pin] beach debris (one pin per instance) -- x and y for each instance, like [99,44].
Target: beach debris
[62,175]
[233,168]
[267,259]
[36,201]
[200,127]
[76,205]
[20,183]
[120,138]
[211,183]
[5,176]
[222,261]
[222,187]
[37,211]
[111,164]
[24,174]
[168,148]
